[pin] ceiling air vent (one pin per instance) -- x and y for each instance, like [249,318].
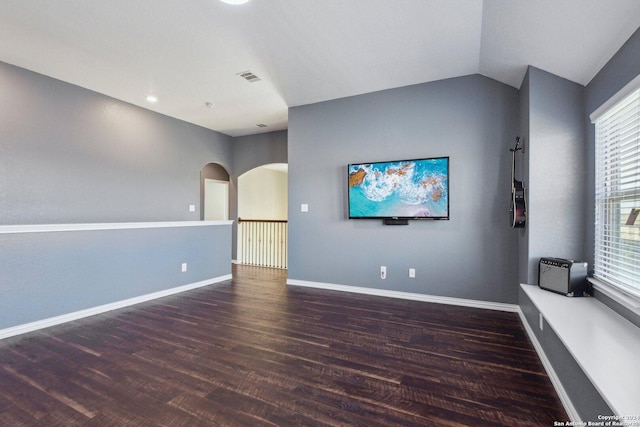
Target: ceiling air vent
[249,76]
[261,125]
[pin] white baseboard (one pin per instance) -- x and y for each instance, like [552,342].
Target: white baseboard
[488,305]
[57,320]
[551,373]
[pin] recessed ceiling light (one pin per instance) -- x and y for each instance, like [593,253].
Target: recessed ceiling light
[235,1]
[152,99]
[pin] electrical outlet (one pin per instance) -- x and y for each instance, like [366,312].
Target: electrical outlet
[412,273]
[541,320]
[184,267]
[192,208]
[383,272]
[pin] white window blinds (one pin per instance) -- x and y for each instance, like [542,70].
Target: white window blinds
[617,198]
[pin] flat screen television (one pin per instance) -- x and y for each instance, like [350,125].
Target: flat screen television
[403,189]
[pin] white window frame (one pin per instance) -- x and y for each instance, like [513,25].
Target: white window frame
[610,216]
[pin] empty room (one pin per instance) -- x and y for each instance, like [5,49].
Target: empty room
[319,213]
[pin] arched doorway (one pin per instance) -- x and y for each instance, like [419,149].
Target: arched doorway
[214,192]
[262,216]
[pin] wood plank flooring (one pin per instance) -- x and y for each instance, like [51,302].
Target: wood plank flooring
[254,352]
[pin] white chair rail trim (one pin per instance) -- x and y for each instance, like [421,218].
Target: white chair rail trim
[54,228]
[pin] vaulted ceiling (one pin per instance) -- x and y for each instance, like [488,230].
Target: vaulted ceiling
[190,53]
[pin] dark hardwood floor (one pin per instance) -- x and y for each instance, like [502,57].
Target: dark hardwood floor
[254,352]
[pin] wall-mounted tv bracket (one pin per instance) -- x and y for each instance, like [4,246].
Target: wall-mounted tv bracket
[395,221]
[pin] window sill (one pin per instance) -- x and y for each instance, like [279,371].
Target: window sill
[604,344]
[629,302]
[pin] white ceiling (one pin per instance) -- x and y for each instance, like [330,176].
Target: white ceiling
[188,53]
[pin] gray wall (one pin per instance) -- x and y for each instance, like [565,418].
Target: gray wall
[70,155]
[55,273]
[252,151]
[556,176]
[473,120]
[522,165]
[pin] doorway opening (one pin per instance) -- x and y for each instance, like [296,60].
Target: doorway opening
[216,200]
[214,193]
[262,216]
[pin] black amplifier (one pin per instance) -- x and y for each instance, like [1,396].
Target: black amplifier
[564,276]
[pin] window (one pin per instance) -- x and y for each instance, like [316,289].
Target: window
[617,194]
